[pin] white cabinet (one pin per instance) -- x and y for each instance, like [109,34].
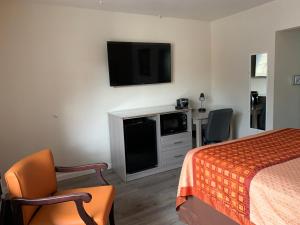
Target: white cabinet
[171,149]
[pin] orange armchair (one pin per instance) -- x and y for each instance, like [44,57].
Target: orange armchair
[32,186]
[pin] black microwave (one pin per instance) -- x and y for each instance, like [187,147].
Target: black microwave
[173,123]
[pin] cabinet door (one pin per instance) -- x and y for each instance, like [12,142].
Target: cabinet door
[140,145]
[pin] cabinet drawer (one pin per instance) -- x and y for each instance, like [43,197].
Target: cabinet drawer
[174,163]
[176,140]
[175,147]
[176,156]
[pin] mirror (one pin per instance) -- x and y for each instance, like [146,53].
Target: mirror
[258,90]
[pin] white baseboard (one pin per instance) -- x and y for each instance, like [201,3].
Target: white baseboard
[66,176]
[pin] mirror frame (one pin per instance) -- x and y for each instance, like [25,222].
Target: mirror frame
[250,89]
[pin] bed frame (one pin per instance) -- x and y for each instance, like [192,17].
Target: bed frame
[196,212]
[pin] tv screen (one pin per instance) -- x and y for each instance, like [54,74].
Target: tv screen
[133,63]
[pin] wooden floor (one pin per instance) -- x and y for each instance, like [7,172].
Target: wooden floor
[146,201]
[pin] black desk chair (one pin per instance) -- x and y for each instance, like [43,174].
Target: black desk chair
[217,128]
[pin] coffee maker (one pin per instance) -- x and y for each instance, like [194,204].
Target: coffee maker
[182,103]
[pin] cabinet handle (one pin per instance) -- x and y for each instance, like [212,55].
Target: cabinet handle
[177,142]
[178,156]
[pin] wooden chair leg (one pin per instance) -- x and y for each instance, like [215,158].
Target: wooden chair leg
[111,216]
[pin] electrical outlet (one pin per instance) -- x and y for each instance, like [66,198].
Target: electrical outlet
[296,80]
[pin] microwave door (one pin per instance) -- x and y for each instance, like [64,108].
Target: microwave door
[171,126]
[173,123]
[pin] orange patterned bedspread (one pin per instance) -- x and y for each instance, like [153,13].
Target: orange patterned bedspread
[220,174]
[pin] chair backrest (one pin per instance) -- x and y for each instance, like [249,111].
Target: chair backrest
[218,126]
[5,208]
[0,187]
[32,177]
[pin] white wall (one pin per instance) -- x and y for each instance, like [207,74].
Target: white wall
[54,89]
[287,96]
[234,39]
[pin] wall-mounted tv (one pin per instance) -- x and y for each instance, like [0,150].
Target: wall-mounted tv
[134,63]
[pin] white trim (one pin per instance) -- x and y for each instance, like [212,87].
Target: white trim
[249,92]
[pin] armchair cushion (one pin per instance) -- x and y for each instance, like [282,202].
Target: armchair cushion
[32,177]
[66,213]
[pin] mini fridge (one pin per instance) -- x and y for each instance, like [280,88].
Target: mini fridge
[140,144]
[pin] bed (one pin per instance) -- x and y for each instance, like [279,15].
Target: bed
[249,181]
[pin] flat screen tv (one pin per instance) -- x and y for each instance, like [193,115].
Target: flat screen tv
[134,63]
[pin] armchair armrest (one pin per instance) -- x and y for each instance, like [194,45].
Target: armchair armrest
[78,198]
[98,167]
[94,166]
[83,197]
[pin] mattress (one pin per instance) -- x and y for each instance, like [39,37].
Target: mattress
[235,177]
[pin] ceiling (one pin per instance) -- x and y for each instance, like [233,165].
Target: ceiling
[207,10]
